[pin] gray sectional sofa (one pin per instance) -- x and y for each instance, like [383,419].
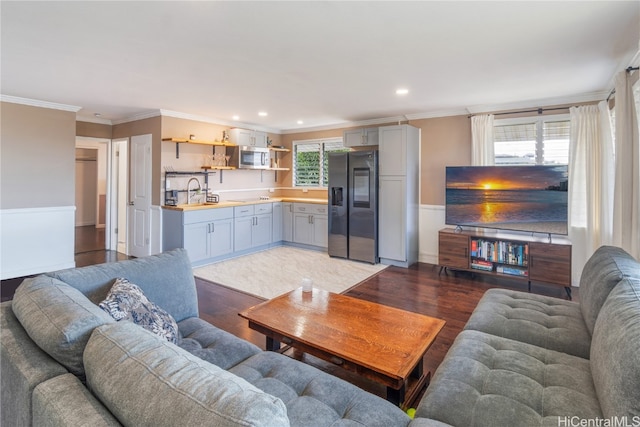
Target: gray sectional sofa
[522,360]
[66,362]
[531,360]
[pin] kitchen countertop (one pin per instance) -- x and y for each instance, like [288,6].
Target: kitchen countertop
[229,203]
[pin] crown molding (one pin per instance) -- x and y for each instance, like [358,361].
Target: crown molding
[39,103]
[439,113]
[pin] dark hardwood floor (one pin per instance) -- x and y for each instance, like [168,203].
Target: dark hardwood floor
[451,296]
[420,289]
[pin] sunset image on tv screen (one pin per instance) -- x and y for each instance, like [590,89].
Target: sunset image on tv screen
[522,198]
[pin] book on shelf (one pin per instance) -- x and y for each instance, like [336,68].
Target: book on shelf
[501,251]
[514,271]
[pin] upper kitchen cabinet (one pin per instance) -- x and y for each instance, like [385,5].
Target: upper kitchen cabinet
[360,137]
[398,147]
[252,138]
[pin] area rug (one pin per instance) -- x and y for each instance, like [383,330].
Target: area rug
[273,272]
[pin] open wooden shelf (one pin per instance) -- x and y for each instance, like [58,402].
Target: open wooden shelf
[198,141]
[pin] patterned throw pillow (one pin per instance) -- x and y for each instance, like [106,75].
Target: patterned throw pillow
[126,301]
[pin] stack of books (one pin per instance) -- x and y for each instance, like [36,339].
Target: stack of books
[479,264]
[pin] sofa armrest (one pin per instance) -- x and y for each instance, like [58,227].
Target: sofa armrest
[64,402]
[23,365]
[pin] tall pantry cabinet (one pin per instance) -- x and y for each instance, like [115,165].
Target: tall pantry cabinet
[398,202]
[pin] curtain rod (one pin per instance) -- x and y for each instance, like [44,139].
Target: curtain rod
[628,70]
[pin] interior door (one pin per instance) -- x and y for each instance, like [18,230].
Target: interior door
[139,236]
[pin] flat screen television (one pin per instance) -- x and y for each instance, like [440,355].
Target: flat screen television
[518,198]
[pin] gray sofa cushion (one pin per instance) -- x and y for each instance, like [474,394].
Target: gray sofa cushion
[23,365]
[487,380]
[606,267]
[146,381]
[615,351]
[64,401]
[166,279]
[544,321]
[213,344]
[58,318]
[315,398]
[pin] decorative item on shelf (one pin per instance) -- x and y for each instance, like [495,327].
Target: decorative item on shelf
[192,137]
[225,136]
[269,142]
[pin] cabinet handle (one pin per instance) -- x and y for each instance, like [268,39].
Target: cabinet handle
[213,227]
[312,219]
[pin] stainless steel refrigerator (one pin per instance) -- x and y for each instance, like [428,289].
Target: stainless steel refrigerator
[353,205]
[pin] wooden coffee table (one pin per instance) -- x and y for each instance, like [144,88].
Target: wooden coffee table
[382,343]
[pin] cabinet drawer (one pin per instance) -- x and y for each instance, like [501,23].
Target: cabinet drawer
[310,208]
[246,210]
[204,215]
[263,208]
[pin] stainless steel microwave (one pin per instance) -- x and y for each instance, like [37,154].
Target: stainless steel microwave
[248,157]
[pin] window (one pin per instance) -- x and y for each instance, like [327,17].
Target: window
[542,140]
[310,161]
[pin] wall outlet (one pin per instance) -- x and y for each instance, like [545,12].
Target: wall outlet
[272,190]
[305,190]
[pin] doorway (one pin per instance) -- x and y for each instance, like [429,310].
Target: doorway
[90,194]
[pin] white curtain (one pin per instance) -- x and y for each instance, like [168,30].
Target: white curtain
[591,182]
[626,205]
[482,151]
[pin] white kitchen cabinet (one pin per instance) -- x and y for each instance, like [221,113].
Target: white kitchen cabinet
[205,234]
[252,138]
[253,226]
[310,224]
[398,198]
[392,236]
[360,137]
[287,221]
[277,223]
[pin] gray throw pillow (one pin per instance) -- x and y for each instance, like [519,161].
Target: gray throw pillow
[126,301]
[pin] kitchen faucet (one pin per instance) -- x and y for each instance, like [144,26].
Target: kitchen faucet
[189,196]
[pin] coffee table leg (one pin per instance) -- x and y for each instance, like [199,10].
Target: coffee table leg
[395,396]
[272,345]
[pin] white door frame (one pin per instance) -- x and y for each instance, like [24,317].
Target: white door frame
[117,200]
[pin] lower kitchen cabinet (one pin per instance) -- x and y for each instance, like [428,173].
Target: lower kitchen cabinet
[253,226]
[310,224]
[204,234]
[287,222]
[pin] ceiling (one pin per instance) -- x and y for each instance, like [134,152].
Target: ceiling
[326,63]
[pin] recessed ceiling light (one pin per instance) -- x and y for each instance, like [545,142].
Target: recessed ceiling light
[236,117]
[300,122]
[402,91]
[263,114]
